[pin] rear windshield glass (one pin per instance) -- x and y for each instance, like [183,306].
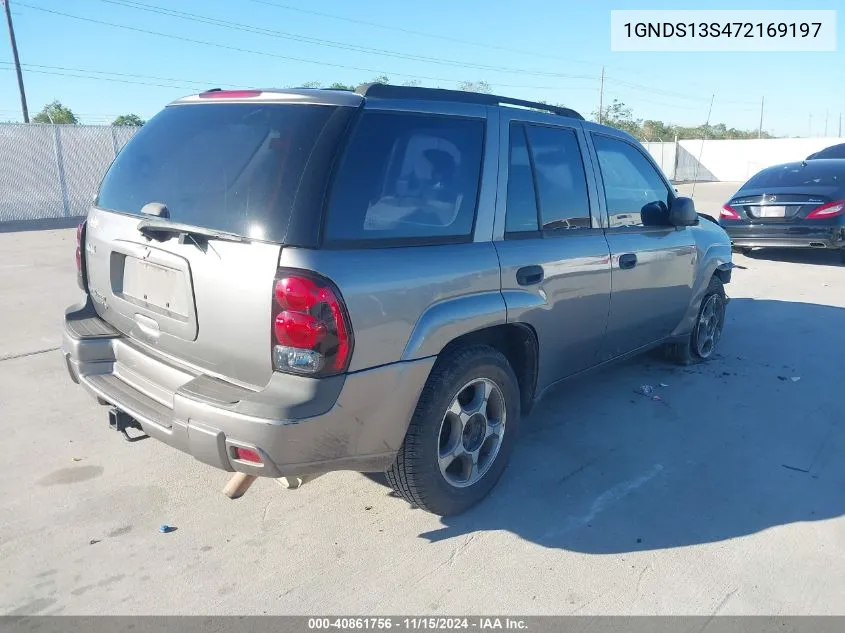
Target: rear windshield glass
[799,174]
[834,151]
[230,167]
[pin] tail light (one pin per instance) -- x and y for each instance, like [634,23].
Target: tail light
[829,210]
[729,213]
[311,330]
[80,257]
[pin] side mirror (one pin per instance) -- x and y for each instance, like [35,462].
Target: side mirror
[682,212]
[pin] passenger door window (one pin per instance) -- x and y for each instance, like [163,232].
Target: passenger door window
[635,193]
[547,185]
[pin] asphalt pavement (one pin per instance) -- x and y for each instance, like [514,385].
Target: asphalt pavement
[723,497]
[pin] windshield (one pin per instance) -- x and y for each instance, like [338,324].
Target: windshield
[799,174]
[231,167]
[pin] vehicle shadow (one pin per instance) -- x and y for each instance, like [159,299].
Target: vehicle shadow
[820,257]
[732,447]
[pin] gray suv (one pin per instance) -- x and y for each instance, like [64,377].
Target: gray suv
[291,282]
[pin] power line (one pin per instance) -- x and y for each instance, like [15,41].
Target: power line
[78,76]
[400,29]
[667,93]
[194,17]
[276,55]
[203,84]
[135,4]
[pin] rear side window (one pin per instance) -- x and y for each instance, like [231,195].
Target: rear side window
[560,178]
[230,167]
[630,183]
[521,215]
[800,175]
[545,172]
[407,177]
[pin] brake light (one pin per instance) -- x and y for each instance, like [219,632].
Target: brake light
[829,210]
[229,94]
[311,332]
[80,259]
[728,212]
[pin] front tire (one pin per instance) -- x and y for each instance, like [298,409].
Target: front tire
[707,332]
[462,432]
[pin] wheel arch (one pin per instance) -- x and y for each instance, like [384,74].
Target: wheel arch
[518,343]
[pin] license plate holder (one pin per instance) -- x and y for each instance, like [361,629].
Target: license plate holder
[772,211]
[158,287]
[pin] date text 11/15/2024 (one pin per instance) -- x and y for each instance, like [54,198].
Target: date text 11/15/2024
[418,623]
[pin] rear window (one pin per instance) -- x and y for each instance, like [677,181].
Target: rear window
[231,167]
[799,174]
[407,177]
[834,151]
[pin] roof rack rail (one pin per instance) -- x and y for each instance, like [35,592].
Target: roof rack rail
[387,91]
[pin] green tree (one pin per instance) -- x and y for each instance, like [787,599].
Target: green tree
[475,86]
[129,120]
[341,86]
[55,112]
[312,84]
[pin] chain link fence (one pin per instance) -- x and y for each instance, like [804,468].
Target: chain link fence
[53,171]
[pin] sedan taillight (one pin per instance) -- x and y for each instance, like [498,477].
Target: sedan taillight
[728,213]
[829,210]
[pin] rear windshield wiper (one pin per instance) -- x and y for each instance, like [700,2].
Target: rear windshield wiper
[160,229]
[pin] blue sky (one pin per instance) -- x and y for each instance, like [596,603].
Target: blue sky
[529,49]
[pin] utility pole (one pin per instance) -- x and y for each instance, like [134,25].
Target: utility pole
[16,60]
[601,95]
[760,129]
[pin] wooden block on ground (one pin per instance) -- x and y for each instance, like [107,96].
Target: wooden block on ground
[238,485]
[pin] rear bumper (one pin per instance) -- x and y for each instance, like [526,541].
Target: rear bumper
[298,425]
[785,236]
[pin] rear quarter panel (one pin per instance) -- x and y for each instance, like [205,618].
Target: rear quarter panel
[409,302]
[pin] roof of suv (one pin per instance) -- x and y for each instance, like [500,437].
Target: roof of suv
[375,91]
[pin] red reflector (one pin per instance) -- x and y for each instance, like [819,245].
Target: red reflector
[297,329]
[230,94]
[728,212]
[829,210]
[296,293]
[78,259]
[247,455]
[79,230]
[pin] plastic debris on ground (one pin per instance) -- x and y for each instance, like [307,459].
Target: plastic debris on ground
[165,529]
[76,459]
[646,390]
[663,384]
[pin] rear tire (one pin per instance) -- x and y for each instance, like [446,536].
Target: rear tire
[702,341]
[745,250]
[462,432]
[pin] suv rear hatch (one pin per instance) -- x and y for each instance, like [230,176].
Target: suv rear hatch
[183,243]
